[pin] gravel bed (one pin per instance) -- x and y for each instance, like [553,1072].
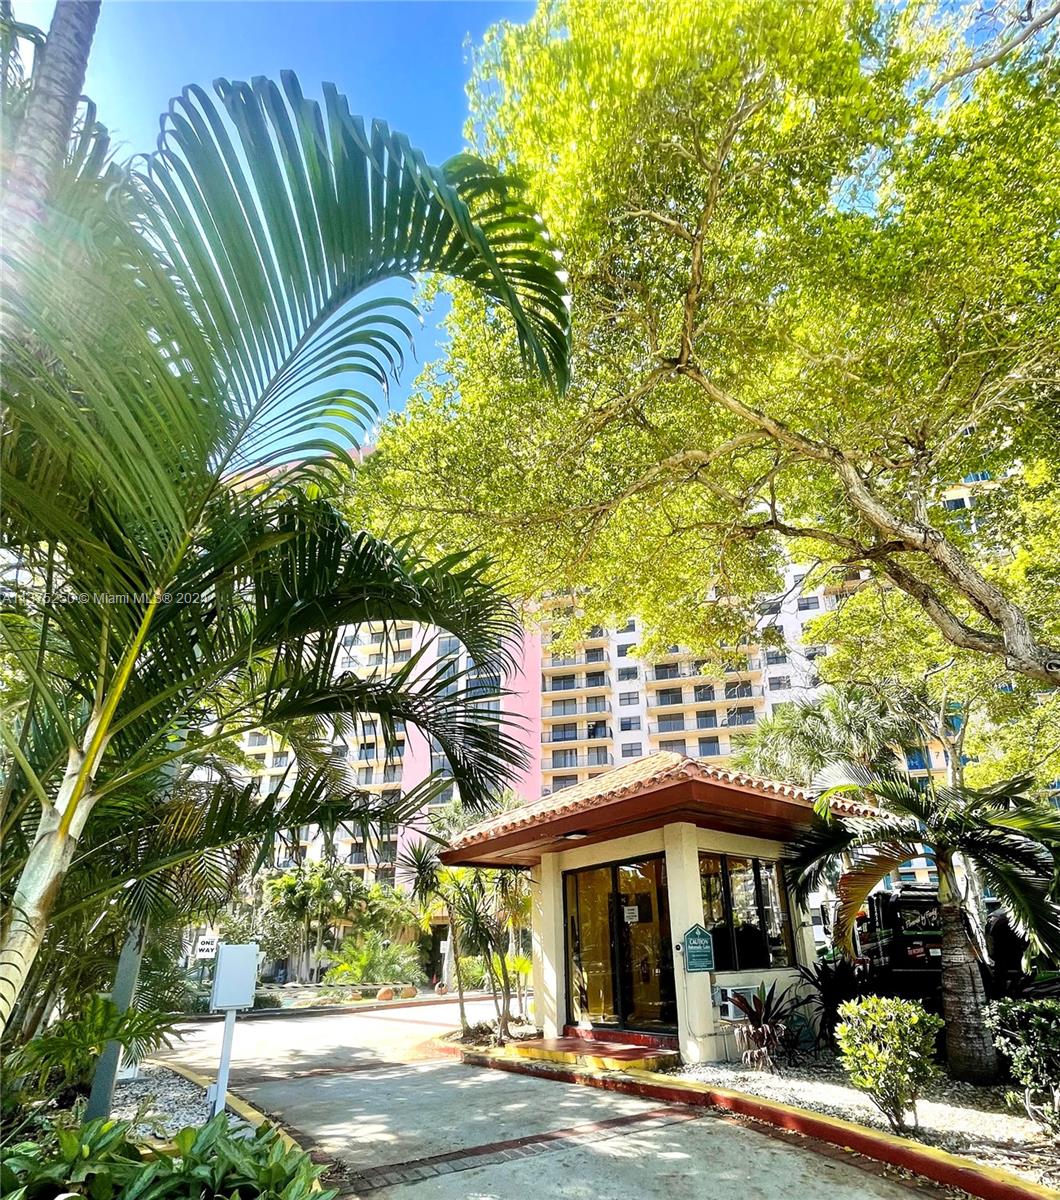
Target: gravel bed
[161,1102]
[962,1118]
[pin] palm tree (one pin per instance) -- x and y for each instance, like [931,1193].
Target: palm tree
[1006,834]
[41,134]
[848,723]
[199,348]
[437,888]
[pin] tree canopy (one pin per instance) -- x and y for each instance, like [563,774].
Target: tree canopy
[813,267]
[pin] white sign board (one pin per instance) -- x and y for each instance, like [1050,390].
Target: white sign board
[631,912]
[235,976]
[206,946]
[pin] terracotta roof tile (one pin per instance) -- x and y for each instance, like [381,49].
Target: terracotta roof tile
[645,774]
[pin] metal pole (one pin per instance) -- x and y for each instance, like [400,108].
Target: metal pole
[221,1086]
[125,979]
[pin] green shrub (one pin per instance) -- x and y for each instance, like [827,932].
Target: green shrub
[267,1000]
[373,959]
[472,972]
[61,1061]
[1027,1032]
[887,1048]
[101,1161]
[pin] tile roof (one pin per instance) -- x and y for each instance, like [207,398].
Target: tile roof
[650,773]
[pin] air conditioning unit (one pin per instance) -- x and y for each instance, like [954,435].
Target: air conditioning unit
[723,1002]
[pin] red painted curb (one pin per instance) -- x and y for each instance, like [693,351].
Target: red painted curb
[948,1170]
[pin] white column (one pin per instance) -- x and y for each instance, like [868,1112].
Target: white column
[695,1007]
[550,986]
[537,977]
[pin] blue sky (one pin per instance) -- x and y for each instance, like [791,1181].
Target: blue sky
[402,60]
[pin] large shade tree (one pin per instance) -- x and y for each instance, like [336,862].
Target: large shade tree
[1007,835]
[191,346]
[814,276]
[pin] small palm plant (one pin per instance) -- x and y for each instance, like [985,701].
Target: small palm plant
[1006,834]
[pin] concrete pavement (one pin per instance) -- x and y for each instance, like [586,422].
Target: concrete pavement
[357,1089]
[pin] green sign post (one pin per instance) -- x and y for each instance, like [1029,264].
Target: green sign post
[698,946]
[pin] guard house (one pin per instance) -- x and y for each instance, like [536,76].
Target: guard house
[624,867]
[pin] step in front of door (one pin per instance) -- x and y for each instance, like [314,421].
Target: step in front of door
[606,1056]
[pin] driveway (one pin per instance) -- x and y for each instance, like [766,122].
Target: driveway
[405,1127]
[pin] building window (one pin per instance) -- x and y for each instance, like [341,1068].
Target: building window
[625,699]
[564,708]
[337,752]
[813,652]
[779,683]
[671,724]
[366,750]
[673,746]
[596,704]
[738,691]
[668,696]
[918,760]
[629,627]
[623,650]
[707,720]
[956,502]
[626,724]
[776,658]
[448,645]
[260,759]
[704,693]
[595,679]
[740,716]
[709,747]
[564,758]
[625,674]
[257,739]
[596,729]
[563,781]
[667,671]
[365,775]
[770,608]
[567,732]
[632,750]
[745,907]
[977,477]
[598,756]
[595,655]
[806,603]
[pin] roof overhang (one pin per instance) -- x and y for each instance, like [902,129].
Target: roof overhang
[729,807]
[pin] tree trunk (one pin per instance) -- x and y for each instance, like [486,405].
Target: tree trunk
[44,135]
[464,1027]
[318,950]
[970,1049]
[506,998]
[42,876]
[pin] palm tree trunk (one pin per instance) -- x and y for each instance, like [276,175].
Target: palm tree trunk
[459,982]
[42,876]
[970,1049]
[44,135]
[319,950]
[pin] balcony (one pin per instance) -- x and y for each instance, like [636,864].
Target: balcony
[584,659]
[586,735]
[580,683]
[574,761]
[578,710]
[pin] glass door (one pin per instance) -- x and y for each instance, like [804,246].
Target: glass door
[620,965]
[590,946]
